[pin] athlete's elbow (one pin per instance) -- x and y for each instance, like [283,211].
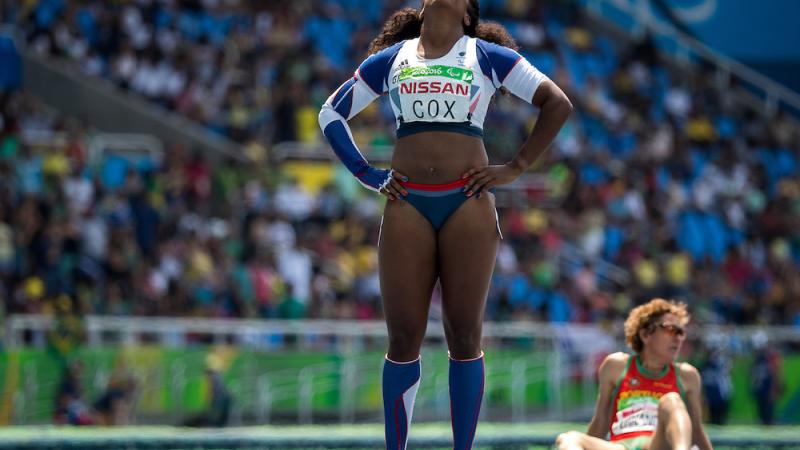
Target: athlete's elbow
[596,427]
[558,110]
[561,105]
[323,112]
[326,116]
[568,104]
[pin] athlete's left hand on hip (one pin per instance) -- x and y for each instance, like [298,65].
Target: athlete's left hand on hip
[480,179]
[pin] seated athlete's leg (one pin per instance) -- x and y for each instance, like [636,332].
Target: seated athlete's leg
[407,267]
[674,425]
[467,249]
[575,440]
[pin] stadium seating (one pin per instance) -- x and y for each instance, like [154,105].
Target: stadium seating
[659,175]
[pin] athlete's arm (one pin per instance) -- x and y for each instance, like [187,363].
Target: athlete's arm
[555,108]
[692,384]
[511,71]
[367,84]
[610,372]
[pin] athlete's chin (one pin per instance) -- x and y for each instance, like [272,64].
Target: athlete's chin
[442,3]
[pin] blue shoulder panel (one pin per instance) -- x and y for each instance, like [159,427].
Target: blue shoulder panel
[501,59]
[343,100]
[375,69]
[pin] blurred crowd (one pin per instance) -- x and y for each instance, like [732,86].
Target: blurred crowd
[661,172]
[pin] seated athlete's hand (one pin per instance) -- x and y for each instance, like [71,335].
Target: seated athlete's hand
[480,179]
[392,189]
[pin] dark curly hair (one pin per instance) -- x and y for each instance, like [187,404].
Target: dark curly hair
[407,23]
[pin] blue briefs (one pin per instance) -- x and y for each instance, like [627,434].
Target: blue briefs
[436,202]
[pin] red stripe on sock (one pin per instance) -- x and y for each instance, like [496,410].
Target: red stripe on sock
[477,409]
[397,422]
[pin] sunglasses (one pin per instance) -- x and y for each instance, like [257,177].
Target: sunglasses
[672,329]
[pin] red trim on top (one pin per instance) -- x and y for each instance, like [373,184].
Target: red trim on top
[452,418]
[434,187]
[477,408]
[511,69]
[397,428]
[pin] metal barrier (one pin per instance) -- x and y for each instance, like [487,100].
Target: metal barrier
[340,335]
[554,355]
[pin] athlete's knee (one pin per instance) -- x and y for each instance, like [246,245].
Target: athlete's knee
[671,401]
[465,344]
[571,440]
[404,345]
[671,408]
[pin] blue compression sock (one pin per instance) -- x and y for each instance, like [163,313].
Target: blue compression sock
[400,384]
[466,393]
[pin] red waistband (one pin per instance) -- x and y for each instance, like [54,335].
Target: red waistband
[434,187]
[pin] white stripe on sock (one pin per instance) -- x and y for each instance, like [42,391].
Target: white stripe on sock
[408,403]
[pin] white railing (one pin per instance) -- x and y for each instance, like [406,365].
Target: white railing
[131,146]
[31,330]
[687,47]
[176,331]
[572,257]
[318,151]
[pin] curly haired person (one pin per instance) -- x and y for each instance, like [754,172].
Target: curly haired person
[647,401]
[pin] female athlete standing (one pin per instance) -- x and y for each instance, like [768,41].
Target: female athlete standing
[440,68]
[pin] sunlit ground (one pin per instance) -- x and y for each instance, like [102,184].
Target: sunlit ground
[427,435]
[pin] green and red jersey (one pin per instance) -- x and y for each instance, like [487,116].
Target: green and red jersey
[635,404]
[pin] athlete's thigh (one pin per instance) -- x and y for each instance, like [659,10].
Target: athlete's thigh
[407,267]
[467,250]
[659,440]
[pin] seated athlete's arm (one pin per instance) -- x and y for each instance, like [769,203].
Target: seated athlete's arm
[692,384]
[610,372]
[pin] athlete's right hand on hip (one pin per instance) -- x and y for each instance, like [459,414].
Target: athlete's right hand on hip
[392,188]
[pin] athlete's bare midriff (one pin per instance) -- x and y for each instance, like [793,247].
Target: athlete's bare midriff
[437,157]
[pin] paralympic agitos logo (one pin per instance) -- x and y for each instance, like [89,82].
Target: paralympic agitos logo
[455,73]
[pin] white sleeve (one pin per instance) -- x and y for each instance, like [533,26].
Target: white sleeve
[509,69]
[523,80]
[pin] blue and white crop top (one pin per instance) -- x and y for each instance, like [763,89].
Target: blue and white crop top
[449,93]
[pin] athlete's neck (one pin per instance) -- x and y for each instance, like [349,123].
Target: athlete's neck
[652,364]
[435,38]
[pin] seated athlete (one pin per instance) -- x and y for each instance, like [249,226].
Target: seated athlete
[646,401]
